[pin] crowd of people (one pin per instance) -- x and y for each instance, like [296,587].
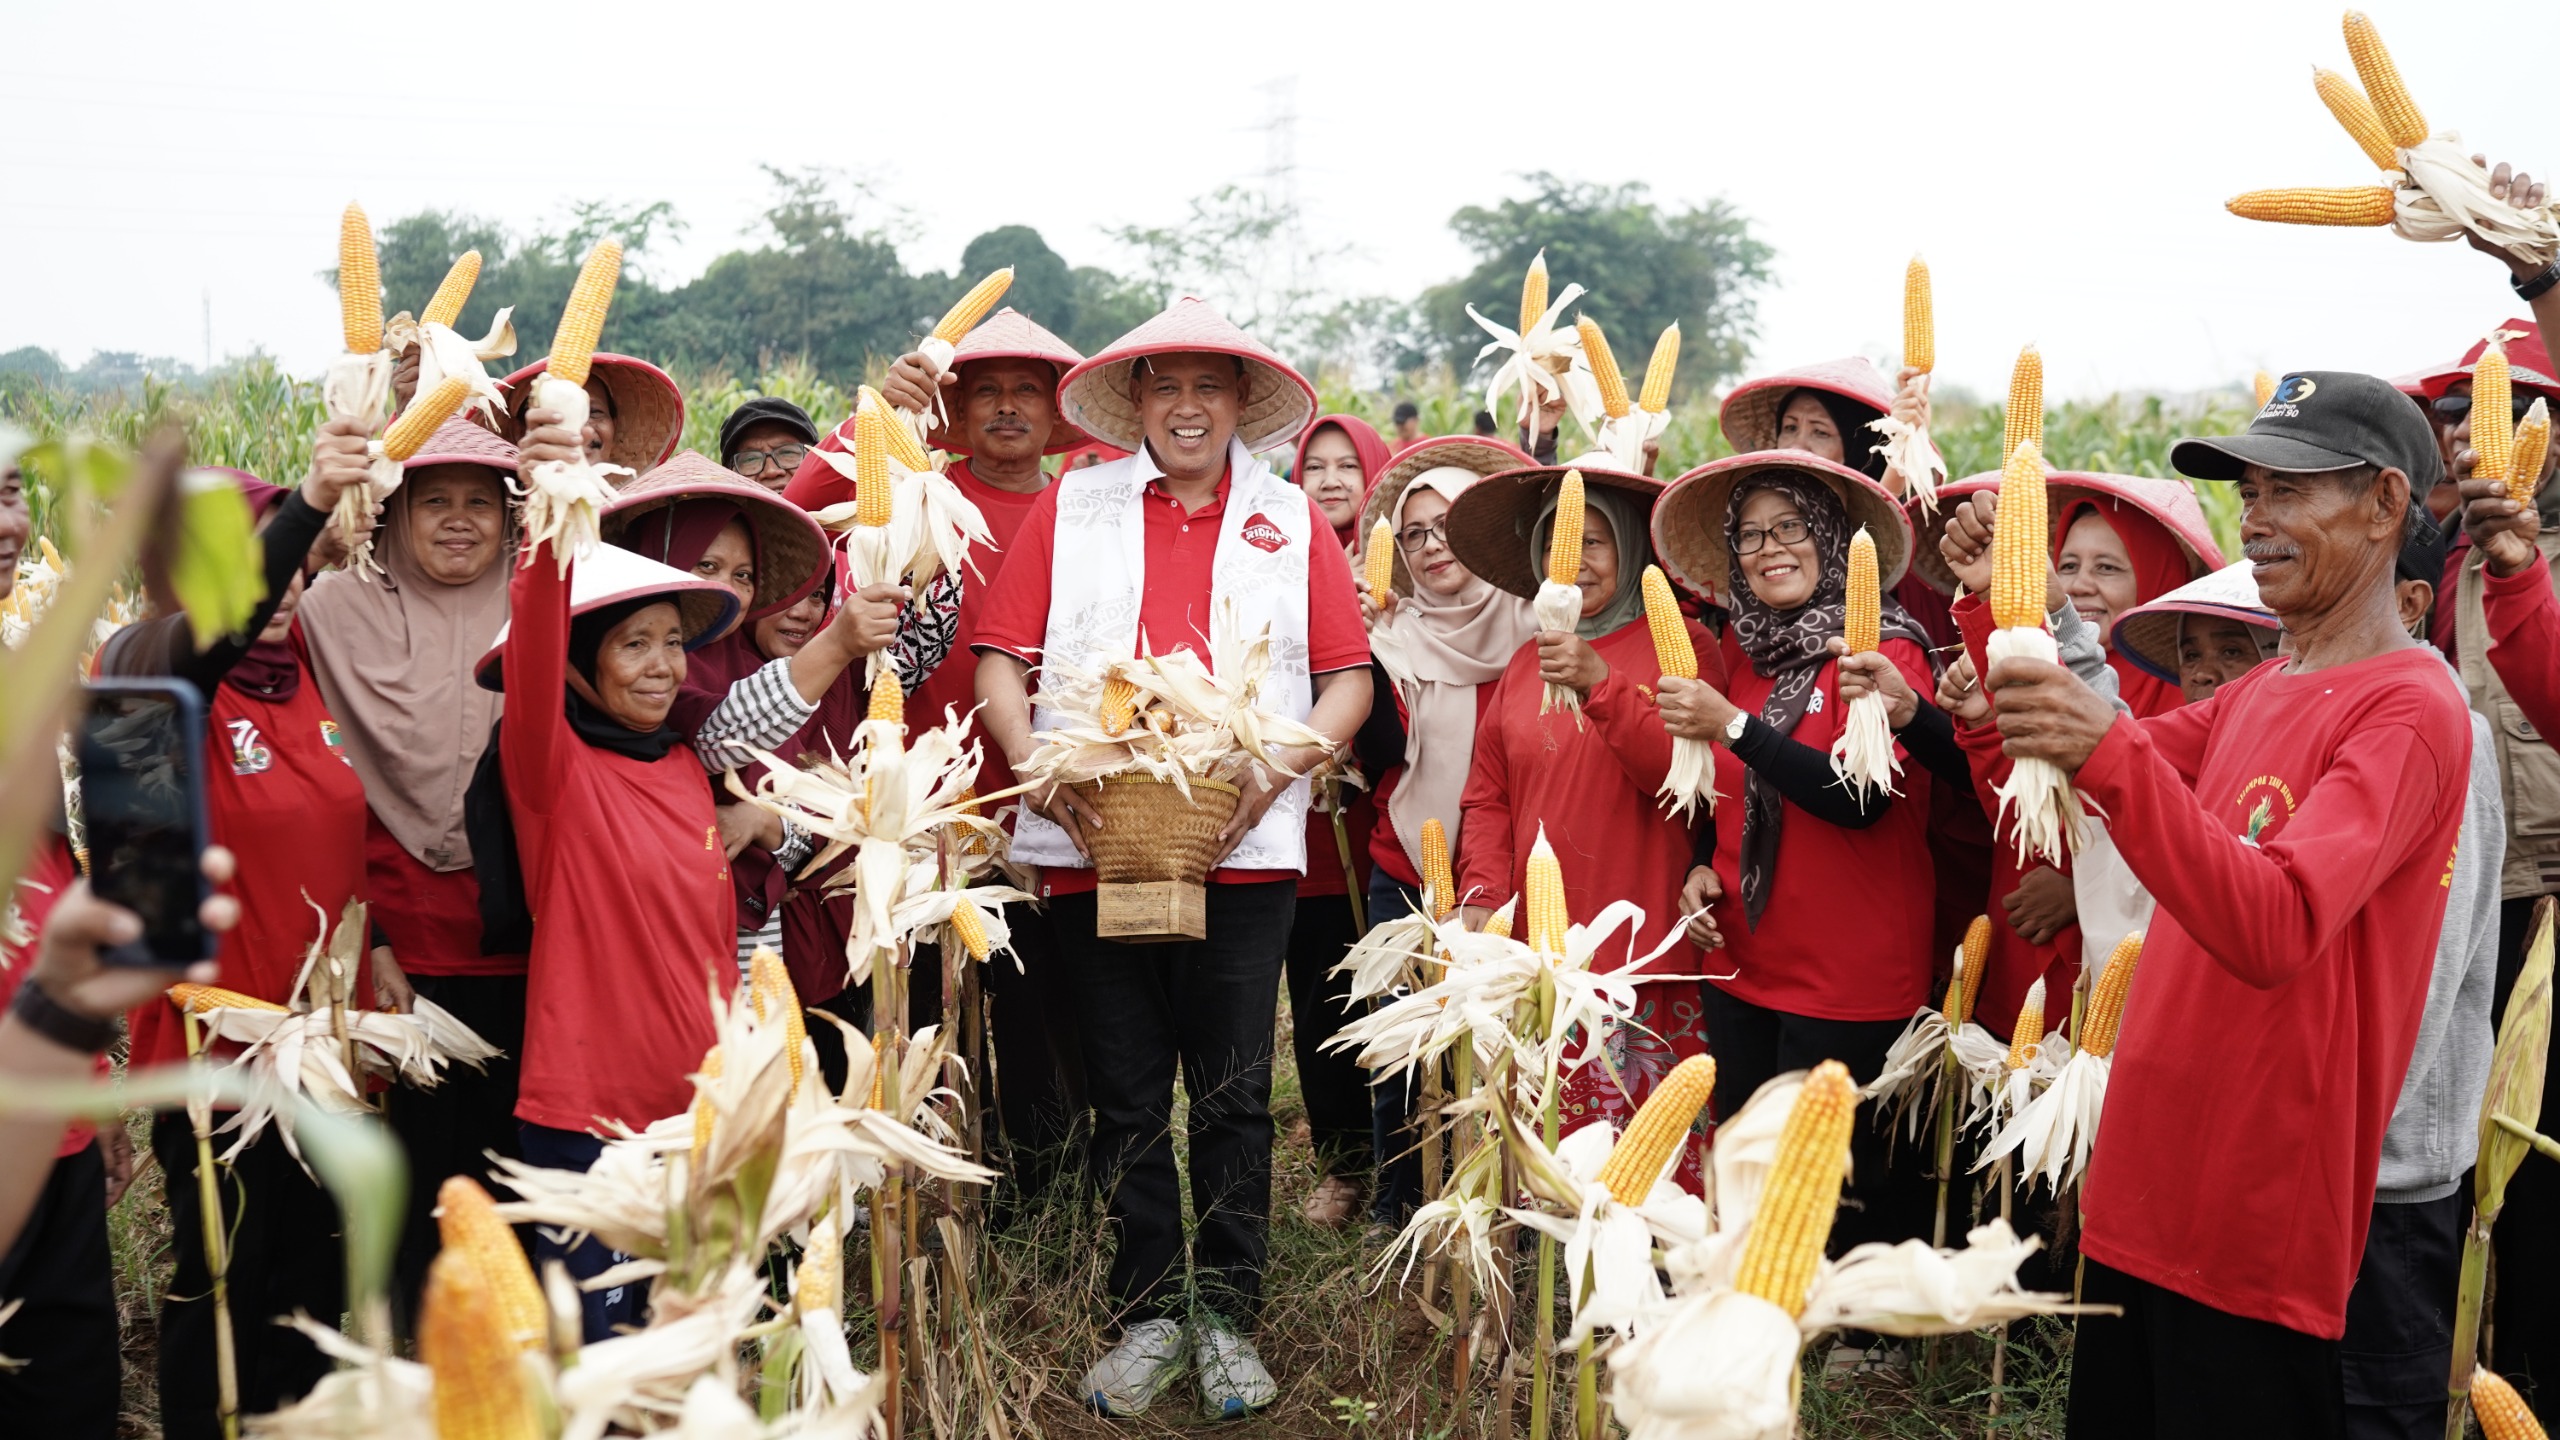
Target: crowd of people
[2318,775]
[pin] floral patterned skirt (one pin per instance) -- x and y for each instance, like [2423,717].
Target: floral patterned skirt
[1669,1026]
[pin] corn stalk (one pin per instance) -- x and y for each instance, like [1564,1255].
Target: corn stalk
[217,1244]
[2514,1101]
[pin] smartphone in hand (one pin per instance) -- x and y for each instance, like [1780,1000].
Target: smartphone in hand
[141,759]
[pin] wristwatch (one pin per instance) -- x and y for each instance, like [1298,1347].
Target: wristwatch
[2532,287]
[1734,727]
[58,1023]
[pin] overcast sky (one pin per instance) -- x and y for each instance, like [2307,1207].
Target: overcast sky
[2062,166]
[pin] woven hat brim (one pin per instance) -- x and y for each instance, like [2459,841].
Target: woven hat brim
[1466,452]
[1749,415]
[1688,526]
[1489,525]
[1095,398]
[2062,490]
[792,552]
[704,608]
[648,408]
[2147,635]
[1927,560]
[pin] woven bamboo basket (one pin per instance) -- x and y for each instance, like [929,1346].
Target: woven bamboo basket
[1151,833]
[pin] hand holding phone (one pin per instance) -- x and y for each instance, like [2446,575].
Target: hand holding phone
[71,964]
[141,758]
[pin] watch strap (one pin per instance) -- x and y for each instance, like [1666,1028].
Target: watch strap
[64,1027]
[2535,286]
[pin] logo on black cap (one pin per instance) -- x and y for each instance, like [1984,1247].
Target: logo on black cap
[2286,401]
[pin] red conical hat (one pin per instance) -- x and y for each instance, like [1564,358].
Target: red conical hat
[648,408]
[1095,395]
[1750,414]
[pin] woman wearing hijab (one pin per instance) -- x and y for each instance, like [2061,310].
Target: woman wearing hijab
[280,794]
[392,654]
[2122,541]
[1338,459]
[1445,635]
[1820,897]
[1587,777]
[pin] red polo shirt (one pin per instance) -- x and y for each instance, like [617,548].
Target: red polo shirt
[1174,609]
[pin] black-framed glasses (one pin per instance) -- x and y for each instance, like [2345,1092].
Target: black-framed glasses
[753,462]
[2451,408]
[1414,539]
[1790,531]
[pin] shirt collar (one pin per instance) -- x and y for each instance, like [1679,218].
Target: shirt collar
[1149,472]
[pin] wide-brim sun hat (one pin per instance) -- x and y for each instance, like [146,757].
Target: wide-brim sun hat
[791,547]
[2147,634]
[1094,396]
[463,442]
[1749,415]
[648,408]
[1009,334]
[613,575]
[1489,525]
[1688,526]
[1461,452]
[2170,502]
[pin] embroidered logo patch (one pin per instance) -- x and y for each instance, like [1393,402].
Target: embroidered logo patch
[337,744]
[1261,534]
[2264,804]
[249,754]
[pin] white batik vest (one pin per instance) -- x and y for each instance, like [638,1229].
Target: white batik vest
[1098,571]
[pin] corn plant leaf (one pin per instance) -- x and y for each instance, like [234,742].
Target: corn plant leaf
[2515,1069]
[216,570]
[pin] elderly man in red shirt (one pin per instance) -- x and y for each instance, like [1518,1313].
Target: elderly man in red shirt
[1206,524]
[2298,828]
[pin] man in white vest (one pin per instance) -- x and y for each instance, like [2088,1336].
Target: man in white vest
[1143,551]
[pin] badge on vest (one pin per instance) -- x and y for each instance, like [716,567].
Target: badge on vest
[249,754]
[1264,536]
[337,744]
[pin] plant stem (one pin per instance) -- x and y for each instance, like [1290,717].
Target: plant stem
[2000,1346]
[2467,1305]
[1950,1077]
[1586,1392]
[217,1247]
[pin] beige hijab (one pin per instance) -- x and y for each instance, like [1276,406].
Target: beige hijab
[1437,650]
[393,656]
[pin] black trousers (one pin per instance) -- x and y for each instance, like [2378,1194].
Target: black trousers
[1209,1007]
[65,1329]
[1039,1054]
[1394,1140]
[2178,1369]
[454,1128]
[602,1313]
[2399,1342]
[286,1255]
[2524,1334]
[1890,1197]
[1334,1086]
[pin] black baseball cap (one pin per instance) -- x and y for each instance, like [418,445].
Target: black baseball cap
[2322,420]
[758,410]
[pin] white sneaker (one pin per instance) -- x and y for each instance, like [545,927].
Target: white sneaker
[1232,1380]
[1147,1359]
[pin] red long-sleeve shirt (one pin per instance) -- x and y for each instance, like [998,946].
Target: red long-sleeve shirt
[1591,784]
[2299,831]
[50,871]
[2524,640]
[635,925]
[431,917]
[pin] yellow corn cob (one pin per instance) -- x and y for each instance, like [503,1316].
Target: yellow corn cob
[704,1112]
[776,998]
[2355,113]
[904,447]
[1672,648]
[1379,561]
[197,999]
[2018,554]
[1533,293]
[468,1225]
[1564,544]
[479,1381]
[2493,445]
[1498,923]
[2399,114]
[879,1069]
[573,345]
[1967,981]
[2028,1037]
[454,293]
[817,1286]
[1659,370]
[408,434]
[2500,1410]
[1437,878]
[2316,205]
[1604,368]
[888,698]
[1802,1194]
[871,493]
[962,318]
[971,928]
[1119,705]
[2532,445]
[2263,386]
[2023,421]
[1919,323]
[975,843]
[1547,918]
[2105,1019]
[1659,1127]
[359,282]
[1864,621]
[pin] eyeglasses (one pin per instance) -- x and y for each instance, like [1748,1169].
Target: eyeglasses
[2451,408]
[1414,539]
[753,462]
[1790,531]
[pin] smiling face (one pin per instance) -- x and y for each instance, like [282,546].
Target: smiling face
[769,452]
[639,666]
[731,561]
[779,637]
[1187,405]
[1332,478]
[2213,651]
[457,521]
[1425,543]
[16,524]
[1782,571]
[1805,425]
[2317,542]
[1599,577]
[1006,408]
[2096,571]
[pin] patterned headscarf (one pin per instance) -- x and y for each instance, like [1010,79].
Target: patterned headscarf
[1790,646]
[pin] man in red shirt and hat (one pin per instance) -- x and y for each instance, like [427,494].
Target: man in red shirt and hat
[2298,828]
[1148,549]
